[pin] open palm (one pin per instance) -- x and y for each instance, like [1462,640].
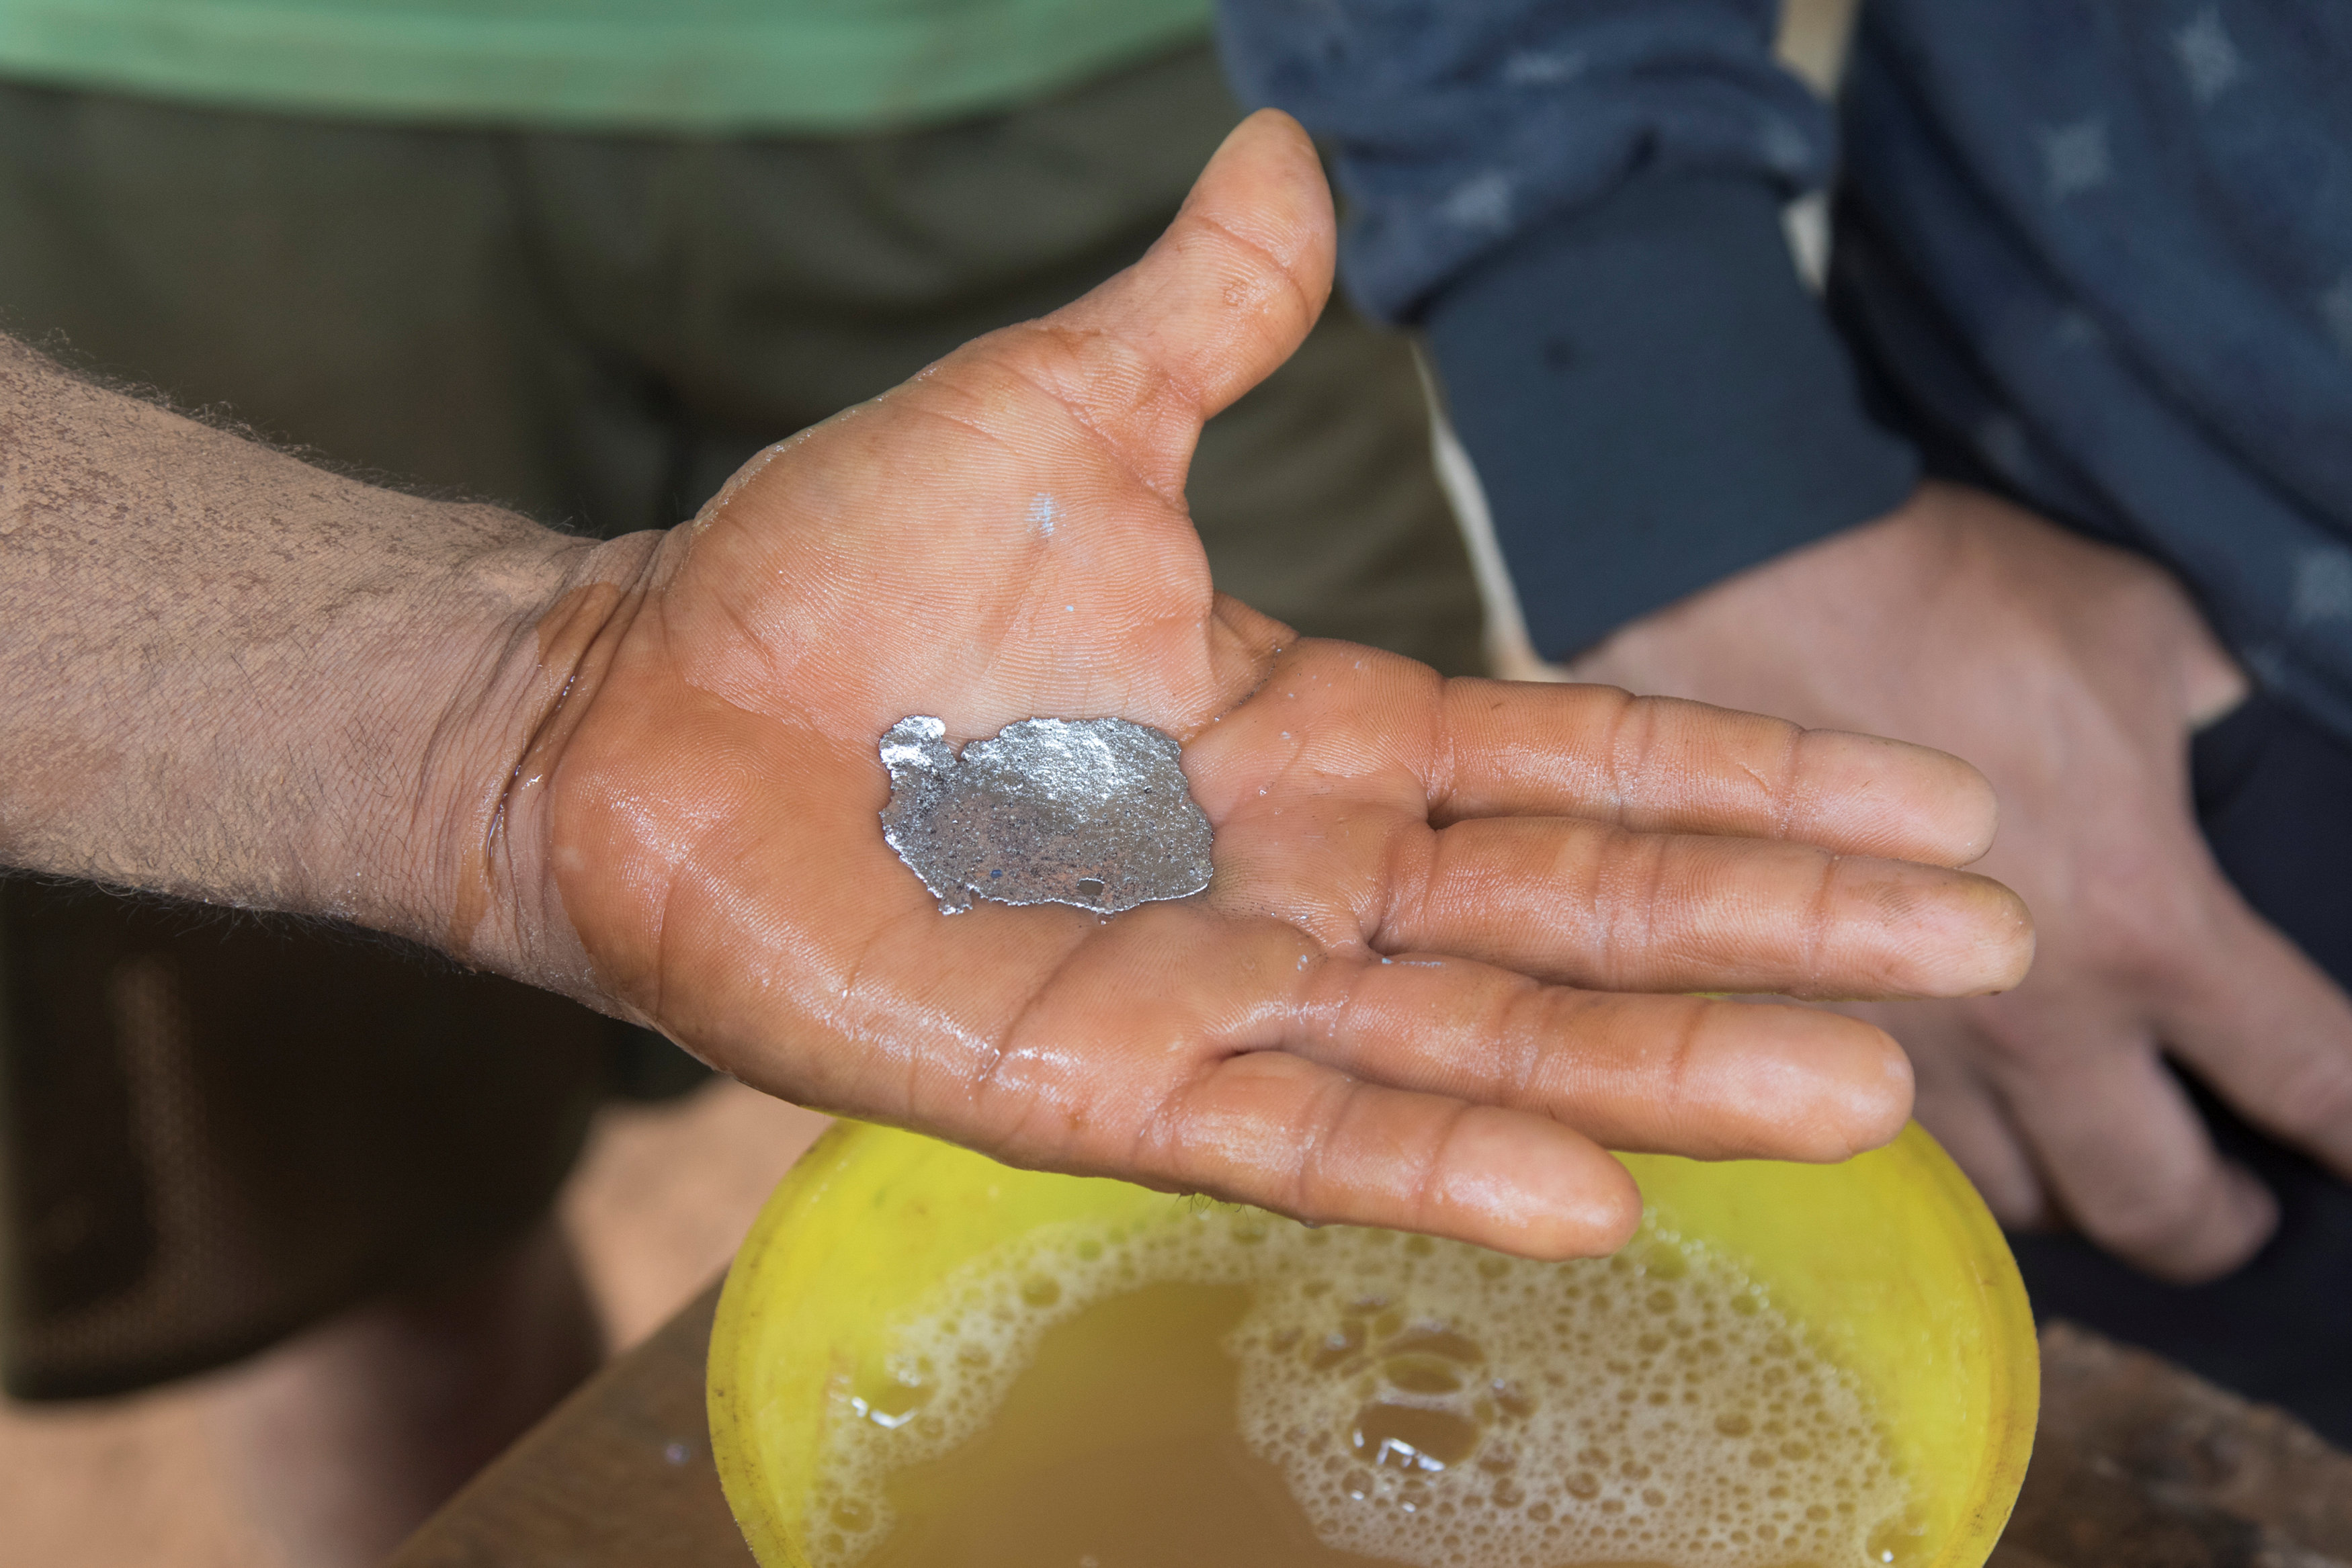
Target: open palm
[1377,1012]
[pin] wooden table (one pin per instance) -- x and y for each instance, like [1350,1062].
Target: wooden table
[2137,1465]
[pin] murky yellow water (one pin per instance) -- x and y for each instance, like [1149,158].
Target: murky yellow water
[1239,1391]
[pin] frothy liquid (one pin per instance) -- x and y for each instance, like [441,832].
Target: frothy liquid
[1236,1388]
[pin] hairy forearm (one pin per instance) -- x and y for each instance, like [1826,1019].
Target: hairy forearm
[230,676]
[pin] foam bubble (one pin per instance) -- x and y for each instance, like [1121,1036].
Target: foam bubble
[1431,1403]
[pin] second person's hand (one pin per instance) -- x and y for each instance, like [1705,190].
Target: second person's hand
[2074,673]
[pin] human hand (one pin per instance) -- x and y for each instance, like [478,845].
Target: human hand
[2073,674]
[1005,537]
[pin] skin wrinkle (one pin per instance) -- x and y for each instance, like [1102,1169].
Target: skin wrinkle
[1682,1051]
[1239,295]
[1229,1135]
[1335,1101]
[1050,1128]
[850,980]
[1024,1022]
[1783,795]
[473,895]
[1630,715]
[1414,851]
[931,1032]
[1082,414]
[1522,1035]
[1441,775]
[1320,997]
[1584,882]
[1347,1004]
[1158,1134]
[970,424]
[750,640]
[1818,928]
[567,636]
[1265,668]
[1649,875]
[1310,303]
[1428,1177]
[690,856]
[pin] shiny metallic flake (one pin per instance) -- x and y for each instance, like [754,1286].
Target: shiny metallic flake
[1089,811]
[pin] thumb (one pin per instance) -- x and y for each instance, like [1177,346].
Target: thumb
[1222,298]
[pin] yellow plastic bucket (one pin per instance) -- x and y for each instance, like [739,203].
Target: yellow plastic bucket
[1890,1260]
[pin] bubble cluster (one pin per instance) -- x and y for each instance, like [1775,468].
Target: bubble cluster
[1432,1403]
[1441,1406]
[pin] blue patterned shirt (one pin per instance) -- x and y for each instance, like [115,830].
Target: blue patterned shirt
[2097,254]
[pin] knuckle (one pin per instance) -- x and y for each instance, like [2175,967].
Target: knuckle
[1625,739]
[2009,1034]
[1315,1179]
[1422,866]
[2169,1218]
[2018,1204]
[2314,1097]
[1616,878]
[2136,925]
[1430,1202]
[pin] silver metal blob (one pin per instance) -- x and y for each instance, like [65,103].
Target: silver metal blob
[1088,811]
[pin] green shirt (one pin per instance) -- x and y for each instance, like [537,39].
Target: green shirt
[778,66]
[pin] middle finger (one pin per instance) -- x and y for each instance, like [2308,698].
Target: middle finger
[1586,904]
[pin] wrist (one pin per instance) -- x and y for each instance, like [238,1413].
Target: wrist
[1841,588]
[526,638]
[1833,633]
[236,678]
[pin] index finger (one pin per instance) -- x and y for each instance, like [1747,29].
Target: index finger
[1666,765]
